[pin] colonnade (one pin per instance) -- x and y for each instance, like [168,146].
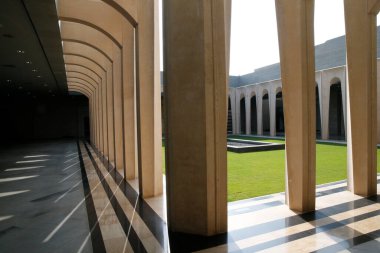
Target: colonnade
[324,80]
[295,21]
[111,54]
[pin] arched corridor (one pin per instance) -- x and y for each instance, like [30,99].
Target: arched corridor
[138,161]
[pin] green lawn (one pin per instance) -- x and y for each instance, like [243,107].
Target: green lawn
[260,173]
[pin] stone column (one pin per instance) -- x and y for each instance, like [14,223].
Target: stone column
[259,108]
[247,114]
[105,114]
[344,104]
[148,99]
[99,115]
[92,121]
[361,111]
[272,111]
[100,88]
[129,96]
[195,33]
[324,100]
[110,121]
[295,21]
[118,111]
[98,121]
[233,110]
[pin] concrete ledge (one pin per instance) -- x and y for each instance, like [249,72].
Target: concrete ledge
[245,146]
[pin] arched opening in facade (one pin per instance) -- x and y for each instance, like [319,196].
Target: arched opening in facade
[229,117]
[336,117]
[242,115]
[265,113]
[280,124]
[253,114]
[318,114]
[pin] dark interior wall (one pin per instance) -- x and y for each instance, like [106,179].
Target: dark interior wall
[336,118]
[43,118]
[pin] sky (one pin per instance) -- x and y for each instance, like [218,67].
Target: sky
[254,41]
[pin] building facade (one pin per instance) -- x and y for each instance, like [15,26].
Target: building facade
[256,105]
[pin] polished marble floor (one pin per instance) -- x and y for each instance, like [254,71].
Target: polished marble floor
[77,202]
[41,199]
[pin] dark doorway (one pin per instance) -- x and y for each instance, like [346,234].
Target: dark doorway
[229,117]
[86,126]
[253,115]
[242,116]
[318,114]
[280,125]
[336,118]
[266,119]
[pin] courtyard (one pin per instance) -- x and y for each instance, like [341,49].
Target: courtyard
[256,174]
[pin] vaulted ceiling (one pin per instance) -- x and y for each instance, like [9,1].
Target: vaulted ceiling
[31,57]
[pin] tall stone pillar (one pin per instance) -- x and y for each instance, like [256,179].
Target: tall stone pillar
[259,107]
[247,114]
[195,38]
[361,111]
[129,96]
[99,115]
[104,112]
[149,99]
[118,111]
[110,116]
[272,112]
[295,21]
[325,105]
[92,129]
[344,104]
[92,122]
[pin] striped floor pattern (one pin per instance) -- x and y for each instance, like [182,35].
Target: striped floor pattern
[343,222]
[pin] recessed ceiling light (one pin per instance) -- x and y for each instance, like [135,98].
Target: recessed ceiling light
[28,62]
[8,81]
[34,70]
[38,76]
[20,87]
[9,95]
[45,85]
[20,51]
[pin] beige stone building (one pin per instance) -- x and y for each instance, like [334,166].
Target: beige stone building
[72,69]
